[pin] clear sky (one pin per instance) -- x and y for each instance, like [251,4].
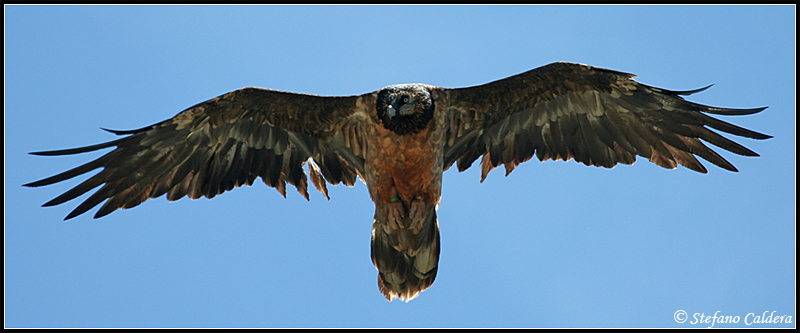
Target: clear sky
[554,244]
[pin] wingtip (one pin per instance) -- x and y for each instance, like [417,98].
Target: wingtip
[731,112]
[126,132]
[42,153]
[117,132]
[690,92]
[70,216]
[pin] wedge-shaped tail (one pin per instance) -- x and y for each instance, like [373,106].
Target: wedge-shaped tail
[406,257]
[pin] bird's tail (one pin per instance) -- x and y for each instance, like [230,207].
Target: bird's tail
[406,255]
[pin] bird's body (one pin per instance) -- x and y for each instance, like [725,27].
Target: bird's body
[399,140]
[404,173]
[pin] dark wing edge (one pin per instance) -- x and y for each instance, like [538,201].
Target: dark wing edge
[223,143]
[596,116]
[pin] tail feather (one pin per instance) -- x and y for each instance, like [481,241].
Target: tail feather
[406,261]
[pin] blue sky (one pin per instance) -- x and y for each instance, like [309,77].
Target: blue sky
[554,244]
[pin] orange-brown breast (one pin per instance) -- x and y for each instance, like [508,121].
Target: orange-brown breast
[408,166]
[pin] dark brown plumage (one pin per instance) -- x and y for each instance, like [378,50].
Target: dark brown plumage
[399,140]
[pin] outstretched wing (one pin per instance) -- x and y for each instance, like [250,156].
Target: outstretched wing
[596,116]
[223,143]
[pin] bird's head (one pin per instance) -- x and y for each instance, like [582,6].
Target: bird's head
[405,108]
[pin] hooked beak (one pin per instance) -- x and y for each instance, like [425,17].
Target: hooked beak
[395,110]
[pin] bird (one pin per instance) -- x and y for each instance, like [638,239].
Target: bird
[399,140]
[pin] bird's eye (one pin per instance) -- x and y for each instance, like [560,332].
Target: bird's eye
[404,100]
